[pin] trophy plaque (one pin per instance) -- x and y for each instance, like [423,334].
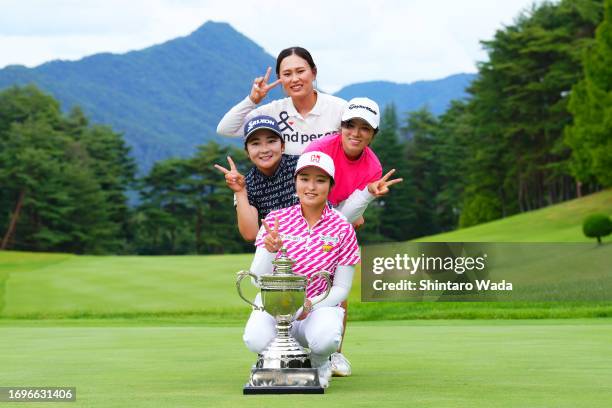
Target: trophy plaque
[284,366]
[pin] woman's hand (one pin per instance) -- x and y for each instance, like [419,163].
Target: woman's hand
[260,87]
[306,309]
[233,178]
[272,241]
[381,187]
[358,223]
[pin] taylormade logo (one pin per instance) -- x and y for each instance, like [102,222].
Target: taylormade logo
[353,106]
[256,122]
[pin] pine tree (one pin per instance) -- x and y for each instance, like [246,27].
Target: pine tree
[392,217]
[422,170]
[590,135]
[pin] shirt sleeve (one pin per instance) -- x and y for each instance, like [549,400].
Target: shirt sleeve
[262,262]
[349,250]
[343,280]
[232,122]
[354,206]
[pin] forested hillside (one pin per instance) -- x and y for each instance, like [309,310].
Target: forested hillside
[168,99]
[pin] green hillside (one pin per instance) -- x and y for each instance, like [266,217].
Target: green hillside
[557,223]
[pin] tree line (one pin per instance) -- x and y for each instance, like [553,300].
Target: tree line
[536,130]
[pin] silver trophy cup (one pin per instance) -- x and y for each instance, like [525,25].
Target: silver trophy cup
[283,367]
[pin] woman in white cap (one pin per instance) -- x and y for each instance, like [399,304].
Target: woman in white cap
[305,115]
[316,237]
[358,179]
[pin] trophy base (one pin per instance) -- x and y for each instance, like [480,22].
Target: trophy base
[284,381]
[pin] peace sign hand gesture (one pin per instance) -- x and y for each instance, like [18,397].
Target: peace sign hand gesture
[260,87]
[272,241]
[381,187]
[233,179]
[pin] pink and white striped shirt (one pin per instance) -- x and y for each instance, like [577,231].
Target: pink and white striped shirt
[330,242]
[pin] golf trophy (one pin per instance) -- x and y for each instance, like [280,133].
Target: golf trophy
[284,366]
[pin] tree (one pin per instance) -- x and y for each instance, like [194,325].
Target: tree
[590,134]
[597,226]
[519,106]
[452,153]
[58,188]
[216,228]
[186,207]
[420,130]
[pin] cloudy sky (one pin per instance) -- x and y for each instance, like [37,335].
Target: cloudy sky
[351,41]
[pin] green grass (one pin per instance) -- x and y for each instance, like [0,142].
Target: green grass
[557,223]
[105,285]
[202,288]
[410,363]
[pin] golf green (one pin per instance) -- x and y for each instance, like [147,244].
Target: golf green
[483,363]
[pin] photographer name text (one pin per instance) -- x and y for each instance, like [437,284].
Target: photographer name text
[435,285]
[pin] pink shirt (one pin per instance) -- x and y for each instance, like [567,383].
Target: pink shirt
[350,175]
[330,242]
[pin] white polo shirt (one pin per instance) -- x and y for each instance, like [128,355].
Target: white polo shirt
[324,119]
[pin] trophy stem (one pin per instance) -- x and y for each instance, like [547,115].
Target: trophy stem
[283,329]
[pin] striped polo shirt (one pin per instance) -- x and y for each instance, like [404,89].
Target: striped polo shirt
[330,242]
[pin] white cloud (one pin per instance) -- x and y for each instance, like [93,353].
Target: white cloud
[351,41]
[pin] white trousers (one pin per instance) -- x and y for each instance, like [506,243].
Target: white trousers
[320,331]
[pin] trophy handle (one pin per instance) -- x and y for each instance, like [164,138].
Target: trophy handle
[241,275]
[325,275]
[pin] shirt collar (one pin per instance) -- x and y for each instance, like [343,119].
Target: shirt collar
[327,211]
[316,109]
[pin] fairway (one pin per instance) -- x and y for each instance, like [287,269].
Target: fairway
[43,286]
[554,363]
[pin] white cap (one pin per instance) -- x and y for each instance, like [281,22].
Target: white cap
[316,159]
[362,108]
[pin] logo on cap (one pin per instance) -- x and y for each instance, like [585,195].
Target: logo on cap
[261,121]
[315,158]
[353,106]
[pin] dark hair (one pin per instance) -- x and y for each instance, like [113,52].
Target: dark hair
[300,52]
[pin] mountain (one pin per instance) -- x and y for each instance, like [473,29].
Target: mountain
[168,98]
[436,95]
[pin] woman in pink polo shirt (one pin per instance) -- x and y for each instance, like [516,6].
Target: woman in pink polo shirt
[358,170]
[317,238]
